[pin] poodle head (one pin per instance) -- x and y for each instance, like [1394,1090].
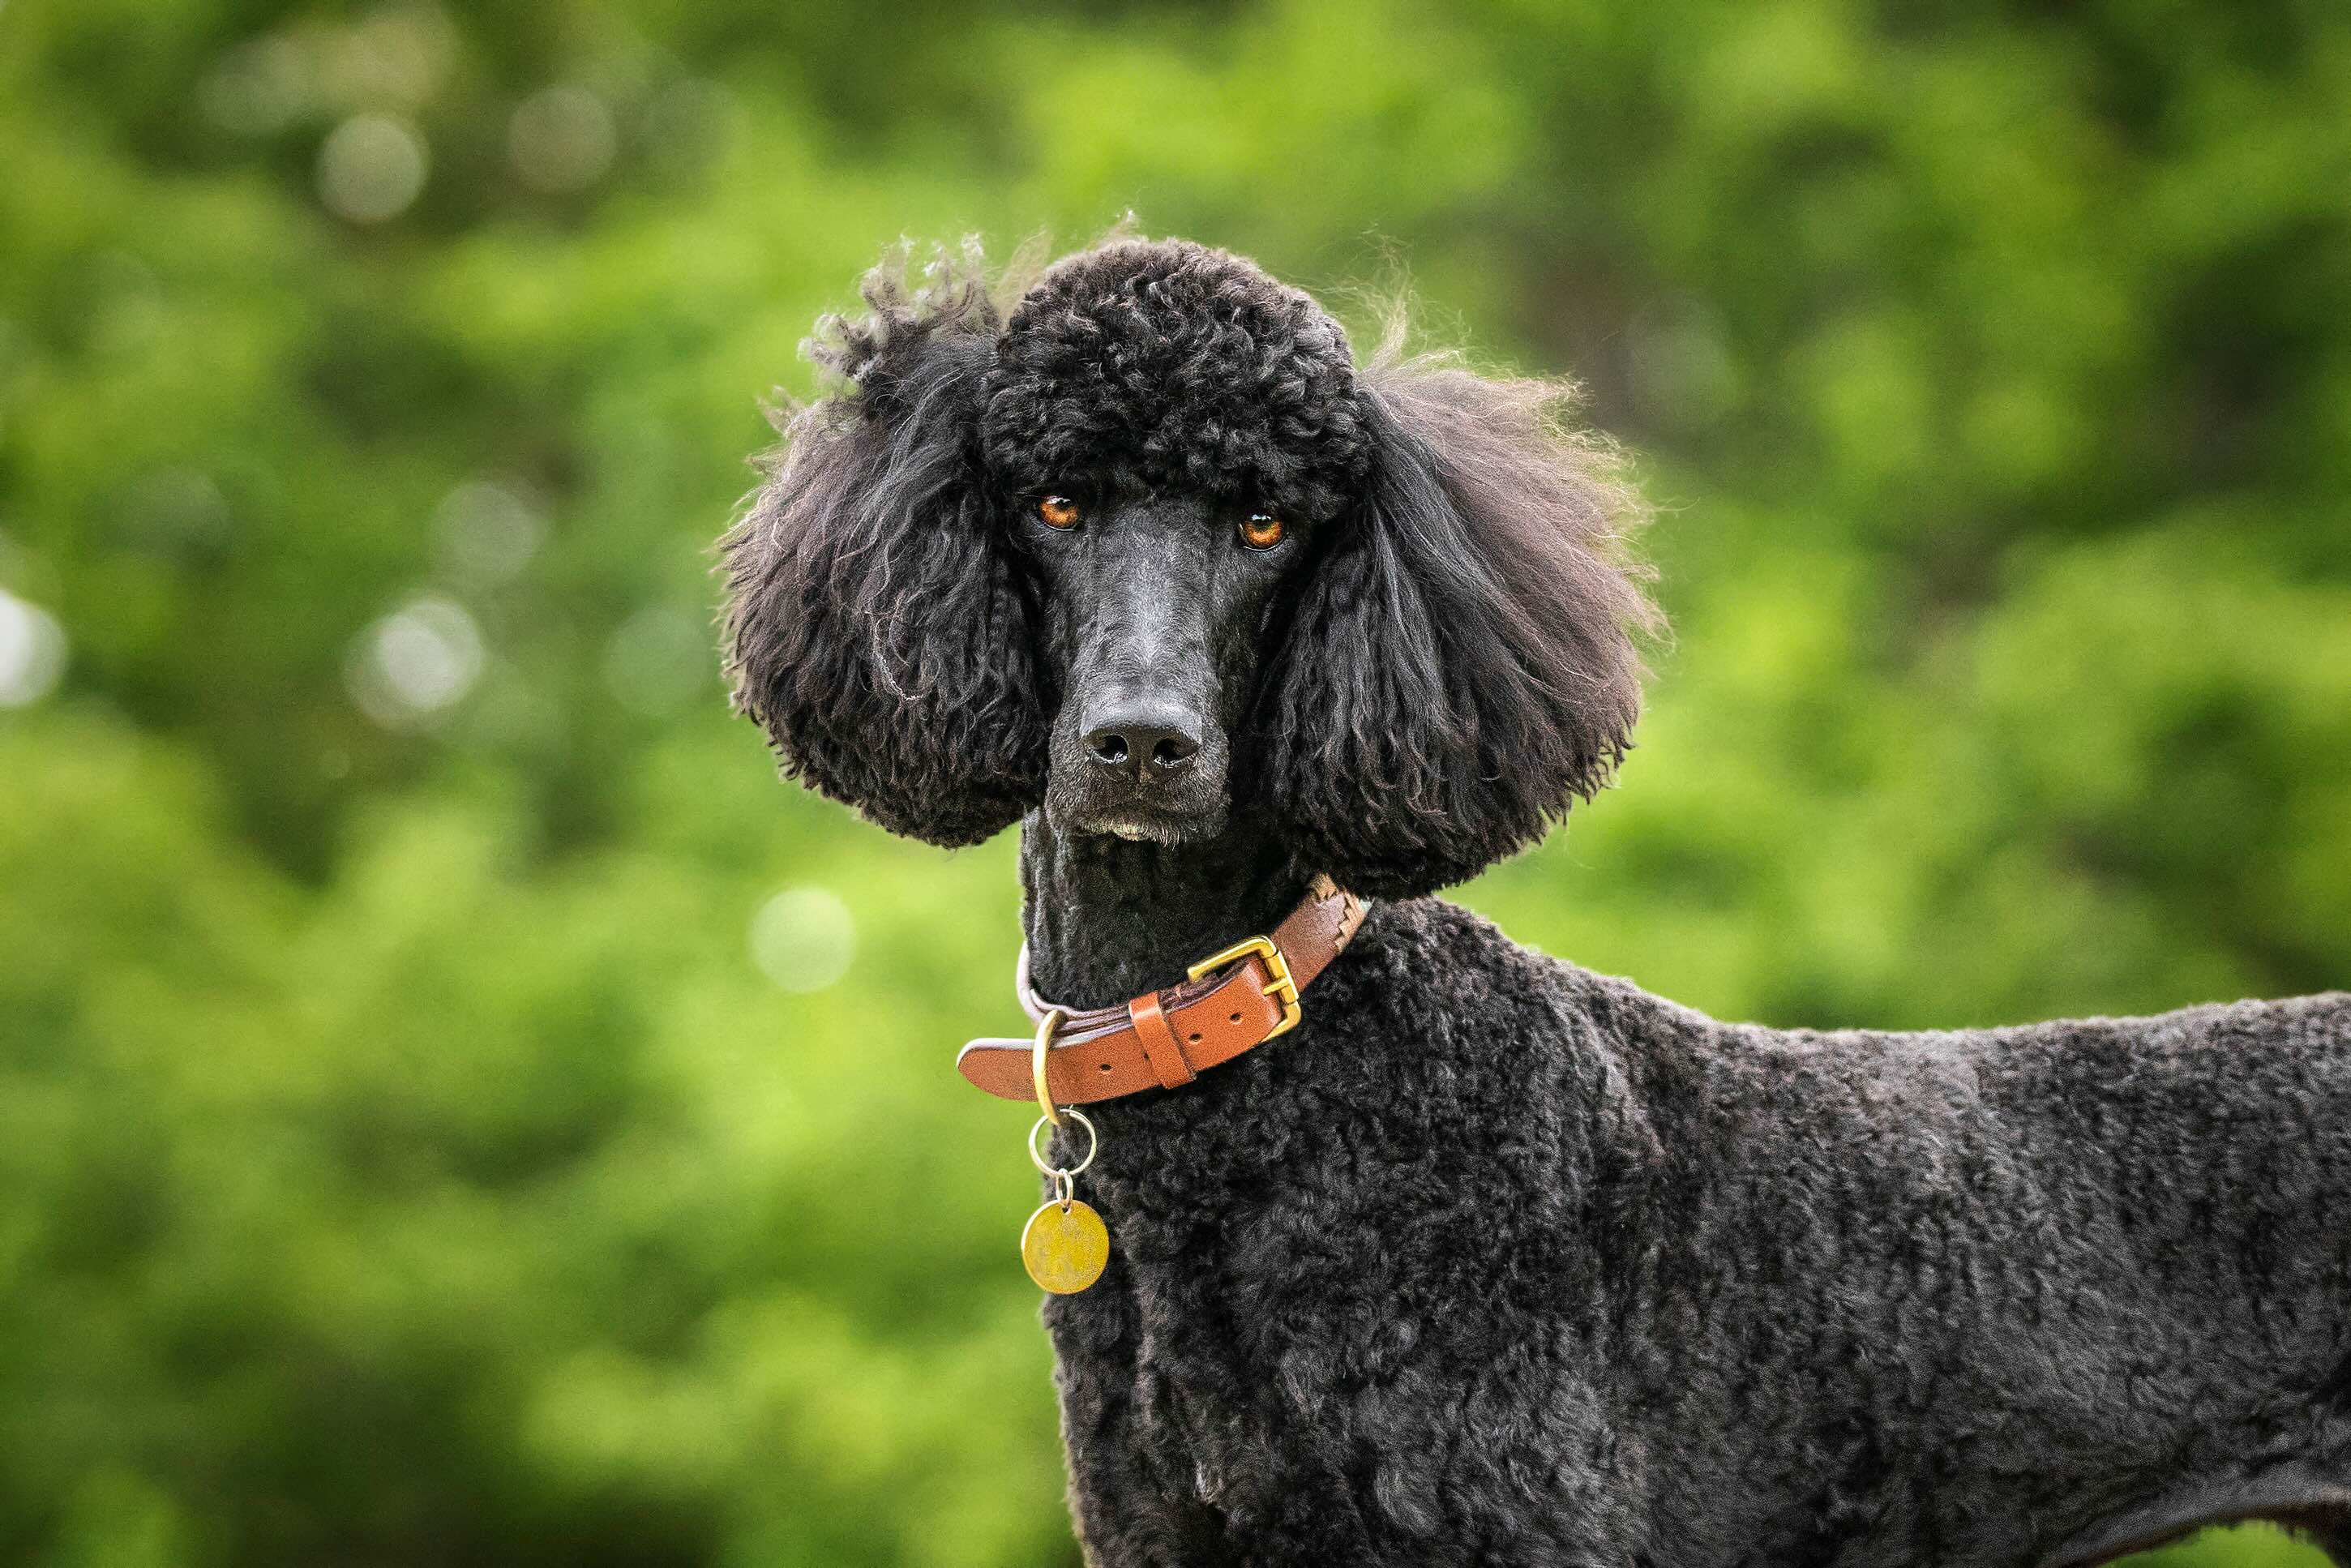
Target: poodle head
[1151,550]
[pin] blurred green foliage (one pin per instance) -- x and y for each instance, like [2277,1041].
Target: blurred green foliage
[408,1150]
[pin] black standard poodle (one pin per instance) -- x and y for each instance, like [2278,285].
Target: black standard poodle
[1488,1260]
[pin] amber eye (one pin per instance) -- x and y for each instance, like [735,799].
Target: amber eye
[1059,512]
[1260,531]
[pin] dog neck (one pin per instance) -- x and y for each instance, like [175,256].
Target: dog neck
[1108,919]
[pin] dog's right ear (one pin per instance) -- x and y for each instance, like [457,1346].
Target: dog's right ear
[873,623]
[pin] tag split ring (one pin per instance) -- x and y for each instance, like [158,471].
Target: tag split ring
[1093,1145]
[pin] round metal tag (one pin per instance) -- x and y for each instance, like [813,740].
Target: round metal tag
[1064,1246]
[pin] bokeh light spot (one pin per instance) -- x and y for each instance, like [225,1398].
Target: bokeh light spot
[396,54]
[803,938]
[257,87]
[32,651]
[372,168]
[484,534]
[561,139]
[416,663]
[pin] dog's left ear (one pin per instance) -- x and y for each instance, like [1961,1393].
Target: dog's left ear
[1461,665]
[873,623]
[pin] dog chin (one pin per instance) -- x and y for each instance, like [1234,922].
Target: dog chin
[1148,830]
[1088,808]
[1138,824]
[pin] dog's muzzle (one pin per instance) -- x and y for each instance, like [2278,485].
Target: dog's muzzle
[1142,766]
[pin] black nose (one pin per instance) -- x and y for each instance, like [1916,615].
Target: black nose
[1147,748]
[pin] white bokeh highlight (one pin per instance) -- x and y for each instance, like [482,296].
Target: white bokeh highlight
[416,663]
[372,168]
[32,651]
[803,938]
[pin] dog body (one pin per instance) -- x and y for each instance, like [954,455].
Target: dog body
[1492,1261]
[1495,1260]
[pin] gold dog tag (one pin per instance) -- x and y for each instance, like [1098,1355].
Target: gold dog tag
[1065,1246]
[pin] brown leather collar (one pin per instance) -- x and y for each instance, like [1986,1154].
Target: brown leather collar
[1233,1001]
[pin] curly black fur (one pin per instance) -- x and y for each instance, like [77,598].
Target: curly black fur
[1497,1261]
[1460,667]
[875,626]
[1493,1261]
[1162,365]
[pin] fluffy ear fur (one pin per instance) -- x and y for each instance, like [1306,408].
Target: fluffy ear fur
[1462,666]
[873,626]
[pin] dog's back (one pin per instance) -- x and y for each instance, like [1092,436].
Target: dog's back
[1983,1294]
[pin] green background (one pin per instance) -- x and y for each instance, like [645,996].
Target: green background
[408,1154]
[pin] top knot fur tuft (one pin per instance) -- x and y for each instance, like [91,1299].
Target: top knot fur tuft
[1172,364]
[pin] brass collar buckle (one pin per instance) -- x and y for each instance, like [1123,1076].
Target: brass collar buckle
[1284,989]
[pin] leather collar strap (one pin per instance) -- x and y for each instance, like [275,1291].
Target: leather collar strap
[1237,1000]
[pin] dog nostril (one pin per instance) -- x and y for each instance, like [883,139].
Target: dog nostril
[1147,750]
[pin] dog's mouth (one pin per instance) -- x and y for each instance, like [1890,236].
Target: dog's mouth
[1140,826]
[1084,803]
